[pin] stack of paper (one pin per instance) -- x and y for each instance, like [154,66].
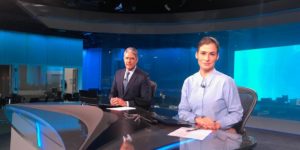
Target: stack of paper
[186,132]
[121,108]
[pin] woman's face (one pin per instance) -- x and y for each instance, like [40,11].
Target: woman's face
[207,55]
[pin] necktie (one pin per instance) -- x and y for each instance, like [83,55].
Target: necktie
[125,82]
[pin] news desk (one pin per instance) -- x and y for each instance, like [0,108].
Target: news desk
[72,126]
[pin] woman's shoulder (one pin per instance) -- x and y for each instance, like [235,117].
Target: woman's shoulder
[222,76]
[193,77]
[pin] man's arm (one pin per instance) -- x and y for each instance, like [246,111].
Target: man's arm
[144,100]
[114,89]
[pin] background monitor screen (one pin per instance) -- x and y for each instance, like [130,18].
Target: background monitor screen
[272,72]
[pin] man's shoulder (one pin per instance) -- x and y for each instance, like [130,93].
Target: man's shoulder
[141,72]
[120,70]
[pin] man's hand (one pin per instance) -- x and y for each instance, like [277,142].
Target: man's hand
[115,101]
[207,123]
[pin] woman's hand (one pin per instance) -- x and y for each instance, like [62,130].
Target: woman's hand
[207,123]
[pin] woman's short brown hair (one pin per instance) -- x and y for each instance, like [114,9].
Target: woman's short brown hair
[208,40]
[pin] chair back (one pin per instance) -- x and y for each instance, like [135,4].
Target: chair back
[248,100]
[153,86]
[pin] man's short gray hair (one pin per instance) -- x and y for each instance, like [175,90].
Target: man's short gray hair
[133,50]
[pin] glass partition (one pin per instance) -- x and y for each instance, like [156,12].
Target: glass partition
[35,83]
[37,64]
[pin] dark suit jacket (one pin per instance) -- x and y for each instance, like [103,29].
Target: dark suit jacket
[138,91]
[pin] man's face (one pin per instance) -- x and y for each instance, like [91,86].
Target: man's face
[130,60]
[207,55]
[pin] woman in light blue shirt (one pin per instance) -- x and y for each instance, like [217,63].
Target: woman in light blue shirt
[210,98]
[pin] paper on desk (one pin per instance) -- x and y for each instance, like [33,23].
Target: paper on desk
[121,108]
[196,134]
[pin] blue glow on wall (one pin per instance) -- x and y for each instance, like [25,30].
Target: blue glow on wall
[91,71]
[26,48]
[55,69]
[271,72]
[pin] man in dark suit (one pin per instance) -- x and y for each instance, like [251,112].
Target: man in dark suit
[131,86]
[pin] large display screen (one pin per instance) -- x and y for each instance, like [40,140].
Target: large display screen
[272,72]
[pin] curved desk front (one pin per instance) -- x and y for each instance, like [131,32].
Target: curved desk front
[55,126]
[60,127]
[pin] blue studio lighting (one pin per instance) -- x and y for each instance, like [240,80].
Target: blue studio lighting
[174,145]
[38,135]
